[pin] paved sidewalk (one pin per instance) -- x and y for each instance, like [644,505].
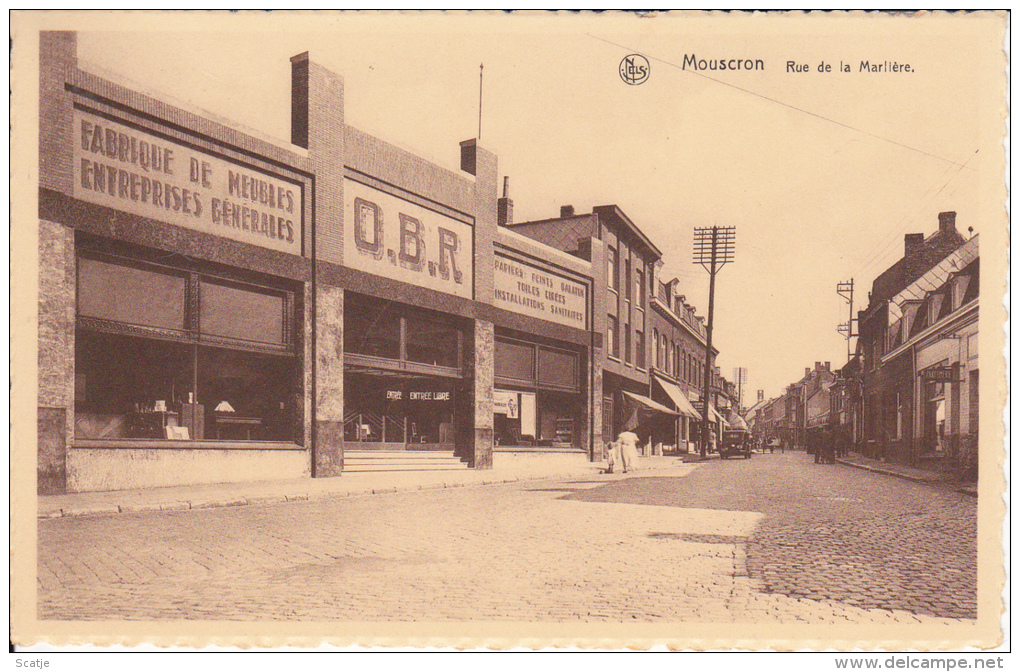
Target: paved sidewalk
[350,484]
[903,471]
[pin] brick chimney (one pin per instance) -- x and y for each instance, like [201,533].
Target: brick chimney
[761,395]
[828,366]
[566,211]
[505,206]
[807,371]
[912,243]
[947,222]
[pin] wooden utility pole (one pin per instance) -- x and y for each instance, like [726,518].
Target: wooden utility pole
[714,247]
[846,290]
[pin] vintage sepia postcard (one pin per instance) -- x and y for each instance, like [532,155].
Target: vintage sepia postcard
[490,330]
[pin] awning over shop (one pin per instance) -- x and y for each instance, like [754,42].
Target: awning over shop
[716,417]
[649,404]
[737,422]
[683,405]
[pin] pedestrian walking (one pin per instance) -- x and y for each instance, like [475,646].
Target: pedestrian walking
[628,450]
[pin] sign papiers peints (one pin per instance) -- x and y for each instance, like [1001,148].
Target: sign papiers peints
[526,289]
[130,170]
[388,236]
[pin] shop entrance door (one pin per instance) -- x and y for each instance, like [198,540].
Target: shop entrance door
[391,412]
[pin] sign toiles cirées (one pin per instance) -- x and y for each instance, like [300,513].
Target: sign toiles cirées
[526,289]
[126,169]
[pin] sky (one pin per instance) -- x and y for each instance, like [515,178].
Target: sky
[821,173]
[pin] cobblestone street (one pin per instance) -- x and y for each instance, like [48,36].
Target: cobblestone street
[771,539]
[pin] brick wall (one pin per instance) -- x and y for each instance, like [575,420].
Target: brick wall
[317,121]
[371,156]
[57,63]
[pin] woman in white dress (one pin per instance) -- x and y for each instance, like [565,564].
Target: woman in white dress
[628,450]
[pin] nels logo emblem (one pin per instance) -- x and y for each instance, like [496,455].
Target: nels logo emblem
[634,69]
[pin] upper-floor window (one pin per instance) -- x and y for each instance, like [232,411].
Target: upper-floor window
[639,286]
[626,343]
[612,337]
[626,280]
[639,349]
[658,356]
[612,268]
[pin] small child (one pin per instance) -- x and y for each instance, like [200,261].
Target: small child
[612,456]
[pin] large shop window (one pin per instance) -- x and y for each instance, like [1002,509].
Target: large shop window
[396,336]
[431,340]
[401,367]
[372,330]
[538,400]
[170,354]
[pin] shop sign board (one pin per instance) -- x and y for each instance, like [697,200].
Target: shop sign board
[394,238]
[529,290]
[418,395]
[132,170]
[506,403]
[939,374]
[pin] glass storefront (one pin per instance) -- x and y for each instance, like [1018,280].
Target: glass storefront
[398,413]
[402,370]
[166,353]
[538,400]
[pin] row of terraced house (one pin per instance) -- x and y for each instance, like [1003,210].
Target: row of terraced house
[217,305]
[909,394]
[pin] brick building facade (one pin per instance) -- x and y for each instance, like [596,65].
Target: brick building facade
[889,371]
[218,306]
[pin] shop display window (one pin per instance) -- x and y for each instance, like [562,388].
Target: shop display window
[372,329]
[385,330]
[137,388]
[246,395]
[537,400]
[431,340]
[131,294]
[514,360]
[243,314]
[537,419]
[125,387]
[165,353]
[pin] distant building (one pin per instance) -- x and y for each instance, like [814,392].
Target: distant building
[925,298]
[817,407]
[846,406]
[678,362]
[621,303]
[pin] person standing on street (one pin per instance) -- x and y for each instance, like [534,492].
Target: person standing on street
[612,456]
[628,450]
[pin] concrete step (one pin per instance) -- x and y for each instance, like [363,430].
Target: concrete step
[401,460]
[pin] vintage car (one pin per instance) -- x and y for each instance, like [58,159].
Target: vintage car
[735,442]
